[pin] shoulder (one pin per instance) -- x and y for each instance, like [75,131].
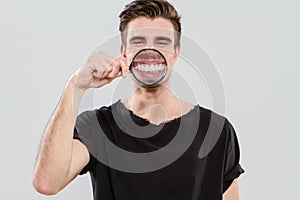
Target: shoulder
[103,109]
[212,117]
[218,126]
[93,115]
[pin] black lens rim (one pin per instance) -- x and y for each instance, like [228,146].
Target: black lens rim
[141,82]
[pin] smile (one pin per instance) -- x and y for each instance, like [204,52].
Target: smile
[151,67]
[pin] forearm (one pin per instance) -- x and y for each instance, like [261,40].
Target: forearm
[55,153]
[232,193]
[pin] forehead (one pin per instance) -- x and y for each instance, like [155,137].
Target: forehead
[143,26]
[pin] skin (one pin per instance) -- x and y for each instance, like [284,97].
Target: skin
[61,158]
[143,100]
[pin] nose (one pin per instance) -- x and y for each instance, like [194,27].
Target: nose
[149,45]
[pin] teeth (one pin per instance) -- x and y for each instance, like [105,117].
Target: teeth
[147,68]
[151,67]
[160,67]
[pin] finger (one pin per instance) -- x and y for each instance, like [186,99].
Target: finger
[124,66]
[116,62]
[107,71]
[96,71]
[102,61]
[100,82]
[119,74]
[115,69]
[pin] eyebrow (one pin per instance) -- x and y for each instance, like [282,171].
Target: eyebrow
[137,38]
[163,38]
[144,38]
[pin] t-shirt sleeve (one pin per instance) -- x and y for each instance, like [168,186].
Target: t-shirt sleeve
[232,167]
[91,165]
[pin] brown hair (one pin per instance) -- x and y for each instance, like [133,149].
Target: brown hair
[150,9]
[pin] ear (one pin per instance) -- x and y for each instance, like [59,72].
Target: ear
[177,52]
[123,51]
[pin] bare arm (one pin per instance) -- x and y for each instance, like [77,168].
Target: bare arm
[53,166]
[60,157]
[232,193]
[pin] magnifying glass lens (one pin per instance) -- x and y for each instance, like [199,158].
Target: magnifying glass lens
[148,67]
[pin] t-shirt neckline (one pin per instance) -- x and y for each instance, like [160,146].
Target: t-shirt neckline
[171,121]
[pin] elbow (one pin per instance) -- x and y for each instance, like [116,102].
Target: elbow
[43,186]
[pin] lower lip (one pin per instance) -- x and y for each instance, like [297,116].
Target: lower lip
[146,77]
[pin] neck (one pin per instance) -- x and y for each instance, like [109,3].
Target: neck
[142,96]
[155,104]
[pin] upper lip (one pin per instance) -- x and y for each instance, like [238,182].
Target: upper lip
[149,54]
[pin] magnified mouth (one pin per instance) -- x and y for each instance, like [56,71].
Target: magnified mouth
[151,66]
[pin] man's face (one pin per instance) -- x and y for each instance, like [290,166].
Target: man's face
[144,33]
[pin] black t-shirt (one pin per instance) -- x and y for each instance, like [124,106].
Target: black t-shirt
[197,174]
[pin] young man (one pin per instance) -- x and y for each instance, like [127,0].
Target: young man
[64,154]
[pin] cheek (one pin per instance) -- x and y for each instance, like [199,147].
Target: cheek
[129,60]
[170,56]
[132,50]
[129,56]
[171,60]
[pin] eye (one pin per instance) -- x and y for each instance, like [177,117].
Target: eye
[162,42]
[138,42]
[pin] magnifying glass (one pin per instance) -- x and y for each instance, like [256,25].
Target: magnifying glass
[148,67]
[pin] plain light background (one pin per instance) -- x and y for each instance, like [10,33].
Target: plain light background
[255,46]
